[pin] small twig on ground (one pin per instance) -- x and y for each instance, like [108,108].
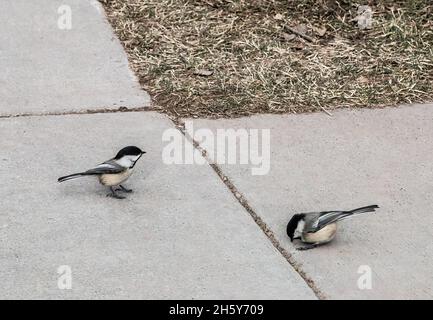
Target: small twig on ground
[326,111]
[302,35]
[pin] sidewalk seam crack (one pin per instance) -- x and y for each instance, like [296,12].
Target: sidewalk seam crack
[257,219]
[78,112]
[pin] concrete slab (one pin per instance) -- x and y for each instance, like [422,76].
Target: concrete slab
[352,159]
[180,235]
[45,69]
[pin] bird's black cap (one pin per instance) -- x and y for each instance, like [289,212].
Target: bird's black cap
[129,151]
[293,224]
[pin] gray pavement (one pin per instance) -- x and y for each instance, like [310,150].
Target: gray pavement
[45,69]
[352,159]
[181,234]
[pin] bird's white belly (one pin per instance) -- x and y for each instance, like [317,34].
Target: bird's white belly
[324,235]
[115,179]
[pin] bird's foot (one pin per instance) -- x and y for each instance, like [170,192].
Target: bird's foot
[115,195]
[122,188]
[307,247]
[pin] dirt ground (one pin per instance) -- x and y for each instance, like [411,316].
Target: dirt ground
[230,58]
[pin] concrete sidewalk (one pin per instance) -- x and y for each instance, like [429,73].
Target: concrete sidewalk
[180,235]
[352,159]
[45,69]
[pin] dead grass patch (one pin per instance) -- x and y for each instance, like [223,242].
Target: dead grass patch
[229,58]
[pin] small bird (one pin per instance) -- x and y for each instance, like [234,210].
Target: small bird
[113,172]
[317,228]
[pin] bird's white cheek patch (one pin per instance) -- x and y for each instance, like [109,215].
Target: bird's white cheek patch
[133,159]
[299,229]
[125,162]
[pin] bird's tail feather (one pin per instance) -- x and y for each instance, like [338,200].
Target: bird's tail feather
[334,216]
[351,213]
[364,209]
[71,176]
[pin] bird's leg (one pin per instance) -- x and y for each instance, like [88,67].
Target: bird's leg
[122,188]
[115,195]
[307,247]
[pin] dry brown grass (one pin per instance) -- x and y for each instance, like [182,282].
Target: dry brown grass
[255,65]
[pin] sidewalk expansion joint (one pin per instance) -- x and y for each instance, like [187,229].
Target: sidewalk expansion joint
[238,196]
[257,219]
[78,112]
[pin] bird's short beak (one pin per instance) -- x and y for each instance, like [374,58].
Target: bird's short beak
[143,152]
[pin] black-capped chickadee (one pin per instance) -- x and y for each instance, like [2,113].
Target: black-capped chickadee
[114,171]
[317,228]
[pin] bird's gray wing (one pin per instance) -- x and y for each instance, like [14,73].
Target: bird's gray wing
[108,167]
[329,217]
[311,222]
[315,221]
